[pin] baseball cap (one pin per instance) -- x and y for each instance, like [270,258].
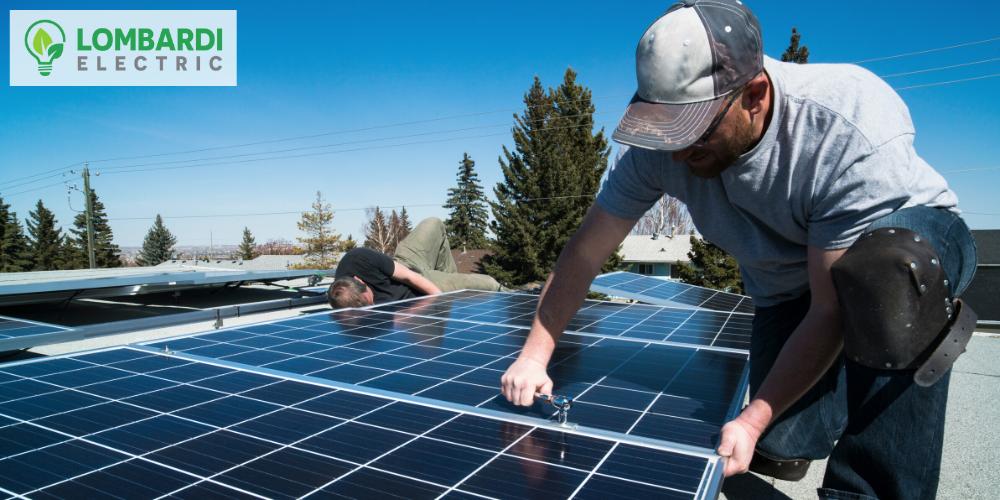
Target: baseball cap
[687,62]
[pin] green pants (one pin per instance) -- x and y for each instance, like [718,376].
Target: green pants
[426,251]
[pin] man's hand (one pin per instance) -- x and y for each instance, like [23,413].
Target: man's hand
[739,438]
[523,379]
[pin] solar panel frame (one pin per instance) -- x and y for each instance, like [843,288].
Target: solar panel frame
[238,344]
[706,486]
[17,333]
[643,288]
[732,335]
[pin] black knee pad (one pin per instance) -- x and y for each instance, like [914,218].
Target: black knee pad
[897,310]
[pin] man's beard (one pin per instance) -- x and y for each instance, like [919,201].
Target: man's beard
[733,145]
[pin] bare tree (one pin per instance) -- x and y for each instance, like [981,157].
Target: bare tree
[379,235]
[277,247]
[668,216]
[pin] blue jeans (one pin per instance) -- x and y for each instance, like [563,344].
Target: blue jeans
[882,432]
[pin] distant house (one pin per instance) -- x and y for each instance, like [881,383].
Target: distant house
[984,292]
[655,255]
[260,263]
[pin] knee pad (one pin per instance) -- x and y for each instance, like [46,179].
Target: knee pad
[896,306]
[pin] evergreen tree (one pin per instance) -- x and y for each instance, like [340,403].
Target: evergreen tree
[549,181]
[106,253]
[321,242]
[710,267]
[467,221]
[405,226]
[45,240]
[348,244]
[378,234]
[394,230]
[14,254]
[248,247]
[794,53]
[158,246]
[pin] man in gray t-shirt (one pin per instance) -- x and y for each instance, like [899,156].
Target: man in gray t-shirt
[847,241]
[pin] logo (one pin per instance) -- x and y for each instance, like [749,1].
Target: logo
[45,41]
[122,48]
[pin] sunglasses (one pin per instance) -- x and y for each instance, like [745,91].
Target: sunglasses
[703,140]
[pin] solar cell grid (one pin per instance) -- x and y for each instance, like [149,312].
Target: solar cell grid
[237,433]
[620,385]
[664,292]
[12,328]
[729,331]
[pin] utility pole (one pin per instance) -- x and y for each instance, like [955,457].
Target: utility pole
[90,215]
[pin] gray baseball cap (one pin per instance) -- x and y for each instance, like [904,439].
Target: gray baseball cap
[687,62]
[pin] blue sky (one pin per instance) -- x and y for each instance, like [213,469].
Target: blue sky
[308,68]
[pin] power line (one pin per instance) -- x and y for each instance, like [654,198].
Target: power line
[949,82]
[56,171]
[347,209]
[342,131]
[939,68]
[964,170]
[323,153]
[345,143]
[926,51]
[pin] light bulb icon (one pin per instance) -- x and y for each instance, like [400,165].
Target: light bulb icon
[45,40]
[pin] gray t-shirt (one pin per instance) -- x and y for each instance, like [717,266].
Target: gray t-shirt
[837,155]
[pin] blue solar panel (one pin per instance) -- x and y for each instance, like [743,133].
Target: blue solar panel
[18,333]
[684,326]
[136,423]
[671,293]
[634,387]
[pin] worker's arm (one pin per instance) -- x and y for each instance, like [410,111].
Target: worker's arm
[580,260]
[806,356]
[415,280]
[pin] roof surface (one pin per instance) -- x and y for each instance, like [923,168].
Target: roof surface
[644,248]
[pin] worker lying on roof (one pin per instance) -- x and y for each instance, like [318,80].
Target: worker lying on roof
[423,265]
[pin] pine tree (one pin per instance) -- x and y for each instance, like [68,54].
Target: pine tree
[467,221]
[158,246]
[45,240]
[348,244]
[248,247]
[106,253]
[14,254]
[377,232]
[405,226]
[549,181]
[321,242]
[394,230]
[710,267]
[794,53]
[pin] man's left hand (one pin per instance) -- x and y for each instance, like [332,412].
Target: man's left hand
[739,438]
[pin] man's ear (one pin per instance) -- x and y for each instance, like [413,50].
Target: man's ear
[754,94]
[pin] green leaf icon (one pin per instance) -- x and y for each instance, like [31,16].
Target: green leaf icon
[41,42]
[55,50]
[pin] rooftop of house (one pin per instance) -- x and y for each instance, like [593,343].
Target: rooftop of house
[656,248]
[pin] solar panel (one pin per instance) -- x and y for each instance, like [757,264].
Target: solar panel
[19,333]
[629,386]
[132,422]
[669,293]
[682,326]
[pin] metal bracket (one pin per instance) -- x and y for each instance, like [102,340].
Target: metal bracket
[562,405]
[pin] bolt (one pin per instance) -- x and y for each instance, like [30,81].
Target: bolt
[916,237]
[913,265]
[923,288]
[892,231]
[934,262]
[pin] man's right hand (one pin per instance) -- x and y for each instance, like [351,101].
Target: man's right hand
[523,379]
